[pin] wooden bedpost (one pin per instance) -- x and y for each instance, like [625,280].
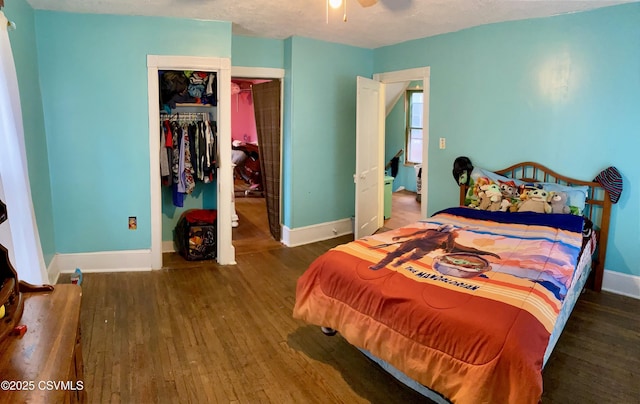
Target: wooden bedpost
[603,238]
[463,192]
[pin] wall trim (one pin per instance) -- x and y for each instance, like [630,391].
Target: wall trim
[621,284]
[257,72]
[317,232]
[108,261]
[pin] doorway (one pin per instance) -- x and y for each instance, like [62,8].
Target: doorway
[256,96]
[224,190]
[410,204]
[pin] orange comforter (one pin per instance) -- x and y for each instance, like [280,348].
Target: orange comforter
[408,297]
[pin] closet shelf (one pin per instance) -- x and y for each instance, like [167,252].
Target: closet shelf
[185,104]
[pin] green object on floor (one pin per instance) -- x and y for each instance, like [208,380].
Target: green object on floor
[388,185]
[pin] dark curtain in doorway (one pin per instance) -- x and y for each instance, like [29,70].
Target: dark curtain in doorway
[266,103]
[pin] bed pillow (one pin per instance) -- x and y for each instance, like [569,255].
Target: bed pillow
[577,195]
[495,178]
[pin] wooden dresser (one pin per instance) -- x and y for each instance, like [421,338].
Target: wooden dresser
[45,364]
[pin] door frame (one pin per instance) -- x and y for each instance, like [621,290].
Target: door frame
[224,172]
[267,73]
[424,74]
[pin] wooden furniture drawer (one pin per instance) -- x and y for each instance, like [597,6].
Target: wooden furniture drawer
[45,365]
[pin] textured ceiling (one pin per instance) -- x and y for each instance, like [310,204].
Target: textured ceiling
[386,23]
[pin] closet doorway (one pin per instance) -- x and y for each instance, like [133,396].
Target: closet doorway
[224,186]
[256,134]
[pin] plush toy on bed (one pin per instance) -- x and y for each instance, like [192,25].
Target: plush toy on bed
[490,198]
[509,189]
[537,201]
[560,202]
[510,196]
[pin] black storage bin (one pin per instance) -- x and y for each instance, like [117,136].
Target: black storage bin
[195,234]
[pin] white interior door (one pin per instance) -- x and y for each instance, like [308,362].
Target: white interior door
[369,157]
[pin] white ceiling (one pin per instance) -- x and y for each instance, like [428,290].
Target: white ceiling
[386,23]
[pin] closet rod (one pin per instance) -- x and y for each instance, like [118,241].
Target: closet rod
[184,116]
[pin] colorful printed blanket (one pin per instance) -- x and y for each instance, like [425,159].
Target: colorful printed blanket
[463,302]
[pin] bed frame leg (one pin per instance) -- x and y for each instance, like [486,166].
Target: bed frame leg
[328,331]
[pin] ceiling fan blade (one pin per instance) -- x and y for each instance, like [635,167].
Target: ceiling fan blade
[367,3]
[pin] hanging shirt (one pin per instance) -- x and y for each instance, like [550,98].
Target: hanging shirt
[189,181]
[165,170]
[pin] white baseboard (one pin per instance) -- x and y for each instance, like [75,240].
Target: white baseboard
[316,232]
[622,284]
[107,261]
[53,270]
[168,247]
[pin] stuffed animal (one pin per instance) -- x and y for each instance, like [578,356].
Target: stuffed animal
[537,201]
[509,189]
[524,189]
[475,193]
[511,196]
[560,202]
[506,205]
[490,197]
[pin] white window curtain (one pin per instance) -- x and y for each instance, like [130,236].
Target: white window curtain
[29,262]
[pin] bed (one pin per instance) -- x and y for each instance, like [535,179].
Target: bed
[467,305]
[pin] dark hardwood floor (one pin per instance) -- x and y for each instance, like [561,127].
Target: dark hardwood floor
[198,332]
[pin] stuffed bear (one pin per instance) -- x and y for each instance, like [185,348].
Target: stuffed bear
[537,201]
[560,202]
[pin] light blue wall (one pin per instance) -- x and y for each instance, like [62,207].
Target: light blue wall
[563,91]
[93,73]
[23,46]
[257,52]
[319,144]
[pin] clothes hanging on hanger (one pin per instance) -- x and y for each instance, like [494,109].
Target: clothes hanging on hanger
[187,153]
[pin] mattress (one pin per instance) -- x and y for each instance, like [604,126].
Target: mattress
[465,302]
[582,272]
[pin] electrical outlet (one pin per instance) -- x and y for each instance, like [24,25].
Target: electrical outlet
[443,143]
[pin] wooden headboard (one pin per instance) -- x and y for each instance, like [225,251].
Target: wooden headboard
[597,209]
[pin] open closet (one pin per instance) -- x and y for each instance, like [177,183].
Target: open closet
[188,159]
[200,116]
